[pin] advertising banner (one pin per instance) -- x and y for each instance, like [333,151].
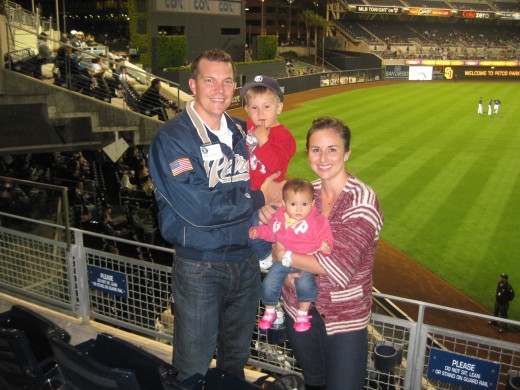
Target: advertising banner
[200,6]
[370,9]
[481,73]
[429,12]
[396,72]
[509,15]
[463,62]
[438,73]
[477,15]
[420,73]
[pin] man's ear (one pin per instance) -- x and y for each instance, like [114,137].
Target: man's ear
[191,84]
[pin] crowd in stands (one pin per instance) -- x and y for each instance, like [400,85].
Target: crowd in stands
[97,203]
[104,80]
[93,76]
[115,199]
[413,40]
[97,73]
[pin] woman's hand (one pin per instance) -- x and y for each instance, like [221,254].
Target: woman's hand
[289,280]
[278,252]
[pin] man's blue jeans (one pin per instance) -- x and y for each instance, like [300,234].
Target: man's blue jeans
[306,287]
[215,306]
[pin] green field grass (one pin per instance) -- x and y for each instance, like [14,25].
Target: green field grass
[447,178]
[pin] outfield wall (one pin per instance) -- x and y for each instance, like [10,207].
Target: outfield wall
[425,72]
[290,85]
[494,73]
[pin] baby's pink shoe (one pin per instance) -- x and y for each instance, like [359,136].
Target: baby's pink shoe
[267,320]
[302,323]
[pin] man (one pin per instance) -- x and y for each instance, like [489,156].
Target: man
[64,39]
[479,111]
[124,75]
[80,36]
[101,90]
[43,49]
[153,103]
[74,40]
[199,164]
[490,107]
[496,106]
[504,294]
[45,56]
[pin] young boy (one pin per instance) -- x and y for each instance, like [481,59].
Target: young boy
[270,144]
[300,228]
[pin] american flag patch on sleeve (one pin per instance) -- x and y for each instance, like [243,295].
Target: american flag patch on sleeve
[180,165]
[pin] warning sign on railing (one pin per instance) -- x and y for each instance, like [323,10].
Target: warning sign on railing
[463,370]
[107,281]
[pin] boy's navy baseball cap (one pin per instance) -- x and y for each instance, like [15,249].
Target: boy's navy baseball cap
[262,81]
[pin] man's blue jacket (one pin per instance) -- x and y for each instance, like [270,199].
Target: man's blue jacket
[202,189]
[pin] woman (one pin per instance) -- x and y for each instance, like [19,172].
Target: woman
[333,353]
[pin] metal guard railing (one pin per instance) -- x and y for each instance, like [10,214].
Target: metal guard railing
[43,270]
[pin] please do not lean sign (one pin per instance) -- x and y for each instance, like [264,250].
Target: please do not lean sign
[463,370]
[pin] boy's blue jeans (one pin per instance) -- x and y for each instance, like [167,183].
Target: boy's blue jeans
[215,306]
[306,287]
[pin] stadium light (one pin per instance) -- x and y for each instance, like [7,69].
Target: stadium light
[262,29]
[289,31]
[57,17]
[64,16]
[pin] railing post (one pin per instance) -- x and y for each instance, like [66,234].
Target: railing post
[80,265]
[419,351]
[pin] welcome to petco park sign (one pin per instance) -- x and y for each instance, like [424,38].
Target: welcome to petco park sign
[463,370]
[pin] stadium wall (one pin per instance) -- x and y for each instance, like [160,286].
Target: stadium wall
[245,73]
[480,73]
[202,22]
[349,60]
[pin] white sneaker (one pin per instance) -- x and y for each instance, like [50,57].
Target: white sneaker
[266,263]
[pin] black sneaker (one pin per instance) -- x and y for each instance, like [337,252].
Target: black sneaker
[503,330]
[492,323]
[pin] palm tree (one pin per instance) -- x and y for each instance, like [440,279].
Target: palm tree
[307,16]
[319,22]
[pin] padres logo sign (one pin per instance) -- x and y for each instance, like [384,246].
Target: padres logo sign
[448,73]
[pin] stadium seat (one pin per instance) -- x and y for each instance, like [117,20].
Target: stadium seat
[217,379]
[111,363]
[25,352]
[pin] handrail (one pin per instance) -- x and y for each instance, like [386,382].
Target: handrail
[416,338]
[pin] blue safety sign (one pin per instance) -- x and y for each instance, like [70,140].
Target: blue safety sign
[107,281]
[462,370]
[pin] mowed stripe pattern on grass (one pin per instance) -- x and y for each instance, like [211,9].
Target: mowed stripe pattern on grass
[448,178]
